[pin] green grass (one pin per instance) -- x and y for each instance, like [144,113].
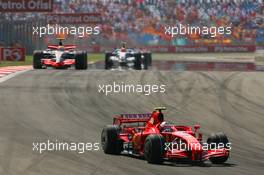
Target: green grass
[91,58]
[95,57]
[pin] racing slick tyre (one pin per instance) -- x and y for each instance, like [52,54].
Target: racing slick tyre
[137,62]
[108,61]
[154,148]
[37,56]
[149,58]
[109,140]
[145,63]
[81,60]
[214,140]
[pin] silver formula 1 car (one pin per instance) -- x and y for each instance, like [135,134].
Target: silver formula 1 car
[128,58]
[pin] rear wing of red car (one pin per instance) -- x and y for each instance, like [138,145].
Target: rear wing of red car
[131,118]
[66,47]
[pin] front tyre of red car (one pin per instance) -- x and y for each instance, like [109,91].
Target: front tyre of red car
[37,56]
[109,140]
[81,60]
[216,139]
[154,148]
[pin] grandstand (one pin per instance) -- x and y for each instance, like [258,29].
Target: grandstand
[142,22]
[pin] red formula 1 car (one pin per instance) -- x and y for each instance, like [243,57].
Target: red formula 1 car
[149,136]
[60,57]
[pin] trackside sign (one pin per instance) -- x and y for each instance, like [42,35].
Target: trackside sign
[26,5]
[74,18]
[12,54]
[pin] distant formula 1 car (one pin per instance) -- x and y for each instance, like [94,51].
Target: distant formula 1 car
[128,58]
[149,136]
[60,57]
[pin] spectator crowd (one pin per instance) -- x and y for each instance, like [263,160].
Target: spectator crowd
[143,21]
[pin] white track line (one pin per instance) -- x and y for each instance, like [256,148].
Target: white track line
[12,75]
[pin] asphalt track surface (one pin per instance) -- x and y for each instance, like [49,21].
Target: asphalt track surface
[65,105]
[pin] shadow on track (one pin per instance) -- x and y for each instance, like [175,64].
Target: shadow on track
[182,163]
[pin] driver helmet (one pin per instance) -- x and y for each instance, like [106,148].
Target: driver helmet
[157,117]
[123,48]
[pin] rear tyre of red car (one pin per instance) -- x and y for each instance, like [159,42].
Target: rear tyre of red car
[109,140]
[154,148]
[81,60]
[37,56]
[216,139]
